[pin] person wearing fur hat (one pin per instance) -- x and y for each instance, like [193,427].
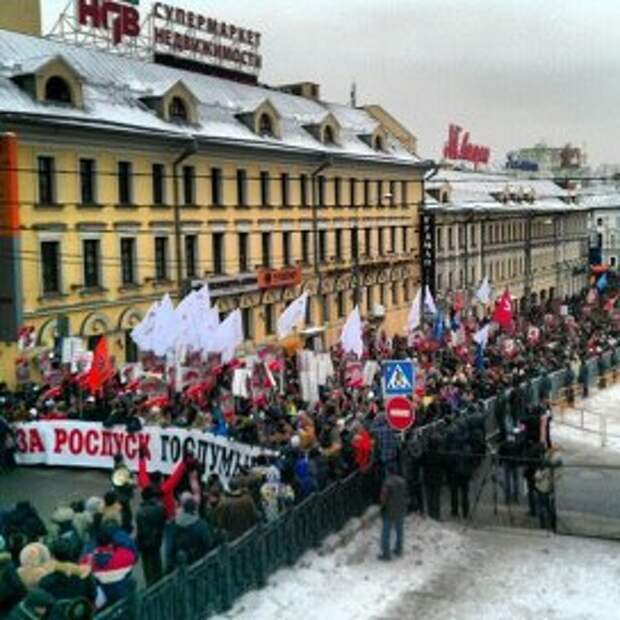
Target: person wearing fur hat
[62,527]
[69,580]
[35,562]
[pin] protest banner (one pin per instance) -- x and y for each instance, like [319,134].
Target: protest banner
[90,444]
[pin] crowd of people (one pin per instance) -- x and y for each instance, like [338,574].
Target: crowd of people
[84,558]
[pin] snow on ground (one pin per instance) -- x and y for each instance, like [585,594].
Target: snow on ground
[582,424]
[447,572]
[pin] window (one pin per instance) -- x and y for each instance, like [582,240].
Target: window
[321,191]
[303,189]
[338,191]
[57,90]
[177,110]
[393,239]
[322,245]
[381,246]
[406,290]
[369,299]
[395,300]
[265,239]
[439,281]
[286,248]
[50,265]
[309,311]
[404,193]
[368,241]
[338,244]
[47,180]
[382,295]
[159,184]
[90,248]
[216,187]
[460,236]
[265,126]
[128,261]
[392,193]
[191,255]
[242,188]
[87,181]
[450,240]
[353,192]
[354,243]
[242,245]
[405,244]
[161,258]
[341,306]
[328,135]
[264,188]
[305,246]
[131,349]
[269,319]
[125,180]
[285,184]
[218,252]
[378,143]
[440,239]
[366,193]
[189,185]
[247,320]
[380,193]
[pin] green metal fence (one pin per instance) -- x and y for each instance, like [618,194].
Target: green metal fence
[212,584]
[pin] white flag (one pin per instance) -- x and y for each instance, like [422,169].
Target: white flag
[209,322]
[204,296]
[351,337]
[429,302]
[228,336]
[292,316]
[482,336]
[165,328]
[414,319]
[142,333]
[484,292]
[187,321]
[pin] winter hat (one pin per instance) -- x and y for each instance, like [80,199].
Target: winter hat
[185,496]
[62,514]
[33,555]
[189,505]
[94,505]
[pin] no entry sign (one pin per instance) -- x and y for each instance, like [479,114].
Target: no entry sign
[399,413]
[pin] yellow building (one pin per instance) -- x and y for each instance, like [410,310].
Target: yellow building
[104,141]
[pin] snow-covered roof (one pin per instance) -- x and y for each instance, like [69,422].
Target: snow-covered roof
[113,85]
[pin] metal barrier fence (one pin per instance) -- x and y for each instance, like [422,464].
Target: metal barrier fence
[212,584]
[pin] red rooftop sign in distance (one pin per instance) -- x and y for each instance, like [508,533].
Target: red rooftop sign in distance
[399,413]
[460,148]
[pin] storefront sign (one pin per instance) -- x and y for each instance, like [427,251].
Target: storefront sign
[274,278]
[460,148]
[192,35]
[89,444]
[121,19]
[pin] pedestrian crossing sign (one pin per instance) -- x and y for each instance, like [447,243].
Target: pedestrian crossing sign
[398,378]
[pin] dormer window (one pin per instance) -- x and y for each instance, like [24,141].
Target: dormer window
[378,144]
[265,126]
[177,110]
[57,90]
[328,135]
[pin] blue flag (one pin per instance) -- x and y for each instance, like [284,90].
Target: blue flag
[438,327]
[601,285]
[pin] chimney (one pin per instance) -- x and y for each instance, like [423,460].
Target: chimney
[309,90]
[21,16]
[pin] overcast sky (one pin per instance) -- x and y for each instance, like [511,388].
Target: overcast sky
[513,72]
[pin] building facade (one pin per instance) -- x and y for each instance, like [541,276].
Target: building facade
[603,202]
[530,236]
[136,179]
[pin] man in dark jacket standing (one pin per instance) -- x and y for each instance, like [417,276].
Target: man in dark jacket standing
[191,534]
[394,503]
[150,521]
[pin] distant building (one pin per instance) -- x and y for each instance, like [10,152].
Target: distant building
[603,202]
[547,160]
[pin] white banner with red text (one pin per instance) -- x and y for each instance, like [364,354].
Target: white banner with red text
[90,444]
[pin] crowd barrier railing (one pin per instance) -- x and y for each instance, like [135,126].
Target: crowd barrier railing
[213,583]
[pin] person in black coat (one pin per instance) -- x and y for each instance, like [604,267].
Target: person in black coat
[191,535]
[150,522]
[510,455]
[460,468]
[433,474]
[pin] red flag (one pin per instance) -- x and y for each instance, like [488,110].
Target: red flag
[101,370]
[503,310]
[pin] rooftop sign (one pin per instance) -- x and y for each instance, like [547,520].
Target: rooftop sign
[460,148]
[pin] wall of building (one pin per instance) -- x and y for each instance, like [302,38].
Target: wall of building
[386,275]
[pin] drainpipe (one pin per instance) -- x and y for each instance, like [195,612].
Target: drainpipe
[190,149]
[427,177]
